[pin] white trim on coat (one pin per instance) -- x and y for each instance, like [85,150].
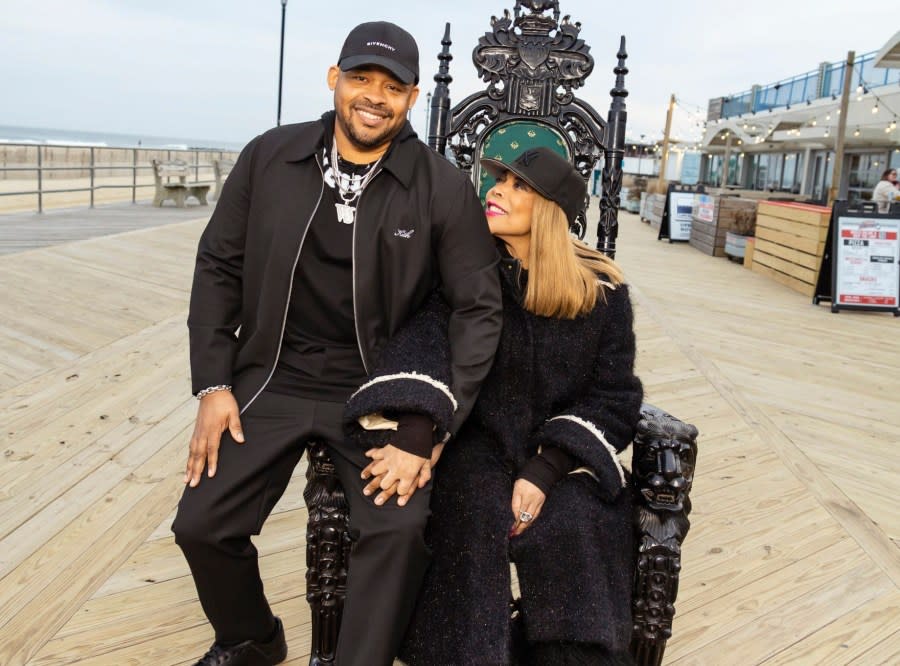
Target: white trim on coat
[439,385]
[596,432]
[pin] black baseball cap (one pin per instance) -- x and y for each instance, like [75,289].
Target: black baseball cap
[384,44]
[550,174]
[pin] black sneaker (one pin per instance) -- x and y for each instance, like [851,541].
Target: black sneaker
[248,653]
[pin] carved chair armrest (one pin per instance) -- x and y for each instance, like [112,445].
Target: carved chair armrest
[664,454]
[327,553]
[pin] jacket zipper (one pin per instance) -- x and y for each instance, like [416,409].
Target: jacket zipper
[362,354]
[287,305]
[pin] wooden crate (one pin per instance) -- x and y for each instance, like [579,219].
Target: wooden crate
[790,241]
[748,252]
[656,205]
[708,230]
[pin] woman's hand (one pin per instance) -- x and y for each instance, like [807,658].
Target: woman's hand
[527,500]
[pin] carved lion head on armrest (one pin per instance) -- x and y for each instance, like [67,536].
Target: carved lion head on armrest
[664,455]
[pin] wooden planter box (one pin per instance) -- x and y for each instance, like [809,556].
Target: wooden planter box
[713,217]
[790,241]
[656,205]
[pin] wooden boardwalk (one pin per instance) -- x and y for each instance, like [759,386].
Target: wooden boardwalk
[793,556]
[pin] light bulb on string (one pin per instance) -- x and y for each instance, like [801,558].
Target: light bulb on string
[875,108]
[856,132]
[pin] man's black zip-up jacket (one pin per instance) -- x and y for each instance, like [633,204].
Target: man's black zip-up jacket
[419,226]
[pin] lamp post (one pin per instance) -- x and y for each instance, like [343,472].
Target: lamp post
[640,152]
[281,60]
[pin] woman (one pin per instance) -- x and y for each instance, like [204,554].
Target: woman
[885,191]
[532,476]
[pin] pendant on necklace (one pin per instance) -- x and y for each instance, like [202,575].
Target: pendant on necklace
[346,214]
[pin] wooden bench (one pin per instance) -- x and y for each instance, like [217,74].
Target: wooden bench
[221,168]
[171,183]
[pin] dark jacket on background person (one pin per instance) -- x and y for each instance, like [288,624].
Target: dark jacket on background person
[563,383]
[419,226]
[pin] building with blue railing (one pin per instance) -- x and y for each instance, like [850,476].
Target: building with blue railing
[781,137]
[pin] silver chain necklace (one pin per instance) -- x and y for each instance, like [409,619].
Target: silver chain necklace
[346,212]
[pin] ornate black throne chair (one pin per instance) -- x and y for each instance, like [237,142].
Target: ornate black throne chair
[533,62]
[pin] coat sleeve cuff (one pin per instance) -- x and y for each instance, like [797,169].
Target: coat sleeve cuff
[400,393]
[588,445]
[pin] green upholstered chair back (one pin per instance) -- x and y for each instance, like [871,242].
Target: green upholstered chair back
[510,139]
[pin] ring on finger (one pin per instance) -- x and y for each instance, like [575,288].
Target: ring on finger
[525,517]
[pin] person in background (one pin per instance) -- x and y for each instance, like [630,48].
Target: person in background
[886,192]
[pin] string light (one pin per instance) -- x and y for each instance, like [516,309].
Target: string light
[875,108]
[856,132]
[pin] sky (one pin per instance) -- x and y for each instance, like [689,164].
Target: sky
[208,69]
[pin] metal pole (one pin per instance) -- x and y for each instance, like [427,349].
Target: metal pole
[281,60]
[665,150]
[640,153]
[837,174]
[134,175]
[92,177]
[40,171]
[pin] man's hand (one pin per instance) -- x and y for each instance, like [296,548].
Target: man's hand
[217,412]
[395,472]
[527,498]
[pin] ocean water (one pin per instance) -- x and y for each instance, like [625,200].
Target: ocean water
[46,136]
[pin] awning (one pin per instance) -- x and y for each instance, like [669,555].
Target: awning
[889,55]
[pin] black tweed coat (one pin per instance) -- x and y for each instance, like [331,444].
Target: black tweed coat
[554,382]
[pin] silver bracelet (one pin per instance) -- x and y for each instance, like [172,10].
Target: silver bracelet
[213,389]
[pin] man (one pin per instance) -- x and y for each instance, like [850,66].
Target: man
[327,238]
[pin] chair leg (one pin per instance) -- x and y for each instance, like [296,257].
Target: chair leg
[327,553]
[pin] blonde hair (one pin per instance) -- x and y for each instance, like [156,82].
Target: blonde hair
[563,273]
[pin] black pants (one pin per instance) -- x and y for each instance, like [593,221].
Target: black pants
[216,519]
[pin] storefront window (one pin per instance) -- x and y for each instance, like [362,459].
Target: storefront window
[821,173]
[863,173]
[789,182]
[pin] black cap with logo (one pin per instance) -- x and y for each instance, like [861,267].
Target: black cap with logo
[383,44]
[550,174]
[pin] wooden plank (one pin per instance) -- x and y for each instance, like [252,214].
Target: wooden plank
[110,623]
[886,652]
[798,278]
[804,259]
[848,637]
[74,582]
[792,227]
[804,214]
[800,243]
[836,580]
